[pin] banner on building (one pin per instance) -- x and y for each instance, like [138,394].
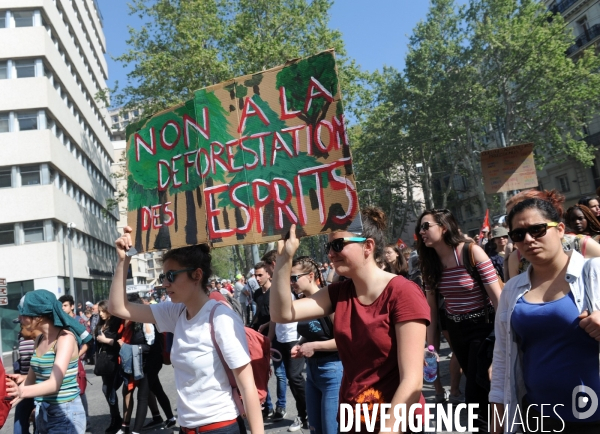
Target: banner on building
[243,160]
[511,168]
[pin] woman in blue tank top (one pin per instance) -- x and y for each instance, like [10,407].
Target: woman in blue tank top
[546,369]
[52,378]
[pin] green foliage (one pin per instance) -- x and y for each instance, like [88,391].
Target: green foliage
[186,45]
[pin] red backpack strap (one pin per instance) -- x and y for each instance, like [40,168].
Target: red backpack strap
[236,392]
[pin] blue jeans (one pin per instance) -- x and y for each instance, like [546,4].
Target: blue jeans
[22,412]
[65,418]
[279,369]
[323,380]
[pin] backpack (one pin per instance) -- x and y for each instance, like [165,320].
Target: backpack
[235,305]
[259,347]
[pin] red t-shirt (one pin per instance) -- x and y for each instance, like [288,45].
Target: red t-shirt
[366,339]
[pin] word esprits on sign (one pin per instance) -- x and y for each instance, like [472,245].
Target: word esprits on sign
[243,161]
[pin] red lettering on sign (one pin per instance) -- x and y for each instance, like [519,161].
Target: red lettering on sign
[260,202]
[252,165]
[140,143]
[251,109]
[295,133]
[162,186]
[285,113]
[279,145]
[146,217]
[163,135]
[188,123]
[156,224]
[176,184]
[187,163]
[212,213]
[202,173]
[242,206]
[321,92]
[215,157]
[169,213]
[261,146]
[230,157]
[318,140]
[282,205]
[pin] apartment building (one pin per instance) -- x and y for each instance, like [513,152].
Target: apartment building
[55,153]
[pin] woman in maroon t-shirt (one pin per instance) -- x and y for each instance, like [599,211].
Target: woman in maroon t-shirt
[380,319]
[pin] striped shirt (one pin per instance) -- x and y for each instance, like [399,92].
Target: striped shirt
[462,293]
[42,366]
[26,347]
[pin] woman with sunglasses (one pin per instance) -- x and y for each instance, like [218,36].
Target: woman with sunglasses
[469,307]
[380,318]
[542,331]
[517,263]
[205,401]
[318,347]
[583,221]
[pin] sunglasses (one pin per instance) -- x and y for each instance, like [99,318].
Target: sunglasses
[425,226]
[536,231]
[170,275]
[294,277]
[338,244]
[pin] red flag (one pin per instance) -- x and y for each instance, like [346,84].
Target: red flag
[401,244]
[485,225]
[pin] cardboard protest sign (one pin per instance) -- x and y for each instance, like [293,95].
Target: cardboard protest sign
[244,160]
[511,168]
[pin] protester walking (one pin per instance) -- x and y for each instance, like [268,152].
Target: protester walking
[470,294]
[205,398]
[52,377]
[317,346]
[546,340]
[380,318]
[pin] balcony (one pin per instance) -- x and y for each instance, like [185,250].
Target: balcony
[584,39]
[561,7]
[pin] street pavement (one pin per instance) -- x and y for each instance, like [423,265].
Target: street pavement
[99,418]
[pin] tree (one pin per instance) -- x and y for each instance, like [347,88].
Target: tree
[189,44]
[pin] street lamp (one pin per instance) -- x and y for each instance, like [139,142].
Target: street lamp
[71,226]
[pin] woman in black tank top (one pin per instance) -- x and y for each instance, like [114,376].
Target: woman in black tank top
[317,345]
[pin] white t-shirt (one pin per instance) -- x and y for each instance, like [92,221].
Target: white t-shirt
[204,394]
[286,332]
[237,293]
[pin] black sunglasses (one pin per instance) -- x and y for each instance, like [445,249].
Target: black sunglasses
[425,226]
[338,244]
[294,277]
[170,275]
[536,231]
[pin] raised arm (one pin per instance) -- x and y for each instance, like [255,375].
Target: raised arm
[283,309]
[117,300]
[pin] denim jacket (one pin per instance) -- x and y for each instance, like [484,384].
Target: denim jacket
[508,386]
[131,360]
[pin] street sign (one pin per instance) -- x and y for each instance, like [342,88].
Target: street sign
[3,291]
[2,281]
[3,301]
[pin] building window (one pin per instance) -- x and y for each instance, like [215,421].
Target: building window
[2,19]
[136,113]
[4,119]
[30,175]
[23,18]
[3,70]
[33,232]
[5,178]
[25,68]
[27,121]
[7,234]
[116,126]
[563,183]
[126,116]
[115,118]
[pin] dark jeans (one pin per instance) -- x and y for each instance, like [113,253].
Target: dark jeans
[110,385]
[22,412]
[466,337]
[152,370]
[293,370]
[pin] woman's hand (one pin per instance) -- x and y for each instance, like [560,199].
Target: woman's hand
[124,243]
[17,378]
[295,352]
[101,338]
[13,390]
[288,247]
[120,342]
[590,323]
[307,349]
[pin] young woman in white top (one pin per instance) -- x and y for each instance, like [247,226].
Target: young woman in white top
[204,396]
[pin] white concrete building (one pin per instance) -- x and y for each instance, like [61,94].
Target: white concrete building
[55,152]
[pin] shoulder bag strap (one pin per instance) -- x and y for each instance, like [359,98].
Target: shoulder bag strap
[236,392]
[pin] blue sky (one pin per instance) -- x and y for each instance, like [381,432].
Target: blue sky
[375,32]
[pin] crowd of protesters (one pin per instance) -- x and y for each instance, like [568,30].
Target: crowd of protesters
[517,303]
